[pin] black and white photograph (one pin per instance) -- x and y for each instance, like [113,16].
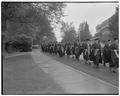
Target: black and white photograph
[60,48]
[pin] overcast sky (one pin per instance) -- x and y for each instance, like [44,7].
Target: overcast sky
[93,13]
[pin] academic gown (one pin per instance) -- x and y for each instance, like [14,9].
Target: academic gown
[114,60]
[106,53]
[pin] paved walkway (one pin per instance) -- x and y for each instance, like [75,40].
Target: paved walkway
[36,73]
[21,75]
[72,80]
[102,72]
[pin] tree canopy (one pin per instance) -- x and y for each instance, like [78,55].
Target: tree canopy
[32,19]
[84,32]
[69,33]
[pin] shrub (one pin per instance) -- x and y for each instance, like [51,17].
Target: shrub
[22,43]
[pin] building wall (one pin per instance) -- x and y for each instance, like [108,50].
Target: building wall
[103,28]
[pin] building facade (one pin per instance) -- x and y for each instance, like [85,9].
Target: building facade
[103,31]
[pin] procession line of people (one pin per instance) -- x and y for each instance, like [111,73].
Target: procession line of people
[94,51]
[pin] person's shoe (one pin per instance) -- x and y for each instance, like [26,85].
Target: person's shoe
[114,71]
[89,63]
[104,65]
[85,62]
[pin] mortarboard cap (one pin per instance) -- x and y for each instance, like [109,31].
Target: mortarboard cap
[97,38]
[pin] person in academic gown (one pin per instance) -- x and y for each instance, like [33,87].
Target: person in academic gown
[97,52]
[107,52]
[114,64]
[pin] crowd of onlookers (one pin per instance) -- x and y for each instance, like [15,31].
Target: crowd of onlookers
[93,51]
